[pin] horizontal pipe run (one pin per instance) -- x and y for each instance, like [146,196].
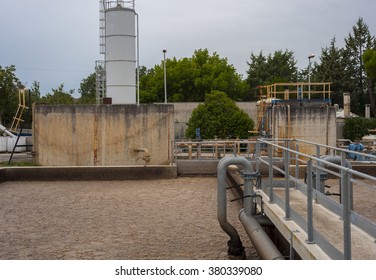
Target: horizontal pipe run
[263,245]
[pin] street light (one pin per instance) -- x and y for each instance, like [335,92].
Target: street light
[309,75]
[164,71]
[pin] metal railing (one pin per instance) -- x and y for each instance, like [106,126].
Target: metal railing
[113,4]
[328,162]
[213,149]
[310,174]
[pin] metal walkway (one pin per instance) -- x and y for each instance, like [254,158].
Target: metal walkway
[319,199]
[297,198]
[328,228]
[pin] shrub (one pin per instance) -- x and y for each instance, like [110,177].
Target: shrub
[219,116]
[356,128]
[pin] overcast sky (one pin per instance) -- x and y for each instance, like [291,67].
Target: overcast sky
[57,41]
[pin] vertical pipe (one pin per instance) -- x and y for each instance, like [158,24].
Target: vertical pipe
[270,150]
[257,156]
[234,244]
[287,184]
[309,203]
[345,184]
[367,112]
[164,75]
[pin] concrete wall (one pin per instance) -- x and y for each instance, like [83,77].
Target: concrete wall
[315,124]
[105,135]
[183,112]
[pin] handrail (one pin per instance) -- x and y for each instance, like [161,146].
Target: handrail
[345,173]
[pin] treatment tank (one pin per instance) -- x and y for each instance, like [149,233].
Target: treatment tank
[120,51]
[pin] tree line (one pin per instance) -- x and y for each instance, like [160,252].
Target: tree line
[351,68]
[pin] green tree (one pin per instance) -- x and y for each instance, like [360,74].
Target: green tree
[333,68]
[357,43]
[59,96]
[9,87]
[218,116]
[188,79]
[88,90]
[369,60]
[277,68]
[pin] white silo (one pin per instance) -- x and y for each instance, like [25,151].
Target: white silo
[118,44]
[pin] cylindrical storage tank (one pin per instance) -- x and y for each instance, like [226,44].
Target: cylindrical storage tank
[11,141]
[3,144]
[120,56]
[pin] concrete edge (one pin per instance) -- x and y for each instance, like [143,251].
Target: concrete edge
[287,227]
[69,173]
[197,167]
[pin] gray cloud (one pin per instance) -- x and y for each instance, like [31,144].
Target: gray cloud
[56,42]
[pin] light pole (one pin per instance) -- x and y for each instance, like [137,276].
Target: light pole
[165,79]
[309,75]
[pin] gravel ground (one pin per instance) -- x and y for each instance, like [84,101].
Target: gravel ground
[163,219]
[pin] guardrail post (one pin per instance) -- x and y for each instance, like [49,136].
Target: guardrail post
[346,202]
[199,151]
[318,183]
[309,203]
[257,155]
[270,151]
[297,175]
[287,184]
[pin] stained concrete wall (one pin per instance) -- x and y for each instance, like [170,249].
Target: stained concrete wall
[315,124]
[104,135]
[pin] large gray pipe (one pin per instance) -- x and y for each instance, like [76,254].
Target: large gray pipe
[263,245]
[235,246]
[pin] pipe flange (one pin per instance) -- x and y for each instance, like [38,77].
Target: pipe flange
[249,175]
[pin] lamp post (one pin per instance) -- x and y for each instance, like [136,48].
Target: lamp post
[309,75]
[164,74]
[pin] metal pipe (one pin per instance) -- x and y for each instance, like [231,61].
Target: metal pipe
[263,245]
[235,246]
[5,130]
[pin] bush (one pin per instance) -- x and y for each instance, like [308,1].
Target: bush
[219,117]
[356,128]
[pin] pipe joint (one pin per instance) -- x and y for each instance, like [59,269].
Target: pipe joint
[249,175]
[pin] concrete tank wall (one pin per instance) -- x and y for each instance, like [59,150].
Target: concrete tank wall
[315,124]
[104,135]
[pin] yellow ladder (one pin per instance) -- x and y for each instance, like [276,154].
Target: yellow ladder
[17,119]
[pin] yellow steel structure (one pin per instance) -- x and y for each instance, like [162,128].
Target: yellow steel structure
[17,119]
[288,91]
